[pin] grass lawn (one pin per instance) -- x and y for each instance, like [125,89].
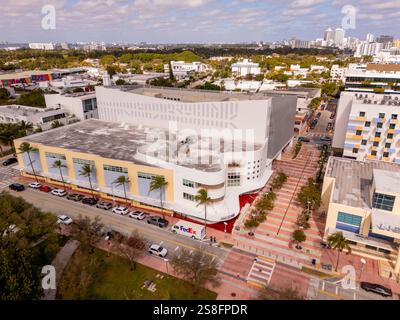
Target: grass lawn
[115,280]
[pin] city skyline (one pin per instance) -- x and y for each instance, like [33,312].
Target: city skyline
[161,21]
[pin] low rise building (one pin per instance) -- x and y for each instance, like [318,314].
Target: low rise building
[181,69]
[362,200]
[81,104]
[245,67]
[337,73]
[39,117]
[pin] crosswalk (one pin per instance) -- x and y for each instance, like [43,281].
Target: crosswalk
[261,271]
[7,176]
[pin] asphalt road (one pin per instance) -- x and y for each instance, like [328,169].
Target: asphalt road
[324,290]
[122,224]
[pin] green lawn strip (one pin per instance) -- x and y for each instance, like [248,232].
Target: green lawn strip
[115,280]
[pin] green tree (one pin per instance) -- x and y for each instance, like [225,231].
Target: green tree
[88,232]
[159,183]
[298,237]
[120,82]
[56,124]
[338,242]
[25,147]
[309,196]
[132,248]
[86,171]
[202,198]
[199,268]
[123,181]
[59,165]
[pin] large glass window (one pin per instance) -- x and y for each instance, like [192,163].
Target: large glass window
[188,183]
[115,169]
[383,201]
[55,155]
[349,218]
[188,196]
[233,179]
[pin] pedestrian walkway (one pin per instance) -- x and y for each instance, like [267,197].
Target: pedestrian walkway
[261,271]
[273,237]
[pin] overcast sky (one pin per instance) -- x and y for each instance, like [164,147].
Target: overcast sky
[171,21]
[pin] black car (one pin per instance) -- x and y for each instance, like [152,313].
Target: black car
[9,161]
[304,139]
[325,139]
[157,221]
[376,288]
[75,197]
[90,201]
[17,187]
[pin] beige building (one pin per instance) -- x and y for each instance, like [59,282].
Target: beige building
[362,200]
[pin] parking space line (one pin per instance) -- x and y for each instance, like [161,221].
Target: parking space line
[177,248]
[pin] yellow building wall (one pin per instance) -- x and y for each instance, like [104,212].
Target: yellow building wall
[133,169]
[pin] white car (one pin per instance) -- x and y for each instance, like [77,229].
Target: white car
[63,219]
[58,192]
[34,185]
[121,210]
[139,215]
[158,250]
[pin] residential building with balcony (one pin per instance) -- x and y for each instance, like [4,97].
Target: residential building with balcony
[367,126]
[245,67]
[362,200]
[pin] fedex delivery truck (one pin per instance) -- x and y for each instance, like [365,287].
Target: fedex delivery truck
[189,229]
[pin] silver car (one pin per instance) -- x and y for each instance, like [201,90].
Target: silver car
[104,205]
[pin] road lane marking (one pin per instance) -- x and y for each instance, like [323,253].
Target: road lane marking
[177,248]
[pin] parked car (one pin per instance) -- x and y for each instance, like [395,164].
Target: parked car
[121,210]
[59,192]
[158,250]
[90,201]
[9,161]
[304,139]
[157,221]
[332,116]
[75,197]
[63,219]
[139,215]
[376,288]
[17,187]
[34,185]
[104,205]
[45,189]
[111,234]
[325,139]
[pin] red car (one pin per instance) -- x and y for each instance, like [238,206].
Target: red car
[45,188]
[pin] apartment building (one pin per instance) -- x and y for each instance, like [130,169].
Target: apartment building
[181,69]
[362,200]
[367,126]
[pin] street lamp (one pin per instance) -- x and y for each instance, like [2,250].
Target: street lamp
[166,265]
[225,224]
[363,263]
[112,191]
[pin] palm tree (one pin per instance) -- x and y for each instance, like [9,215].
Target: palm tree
[159,183]
[122,181]
[26,126]
[26,147]
[58,164]
[86,171]
[203,198]
[338,242]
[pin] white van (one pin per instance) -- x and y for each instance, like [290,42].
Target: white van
[189,229]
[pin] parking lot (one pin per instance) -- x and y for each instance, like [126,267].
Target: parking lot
[8,175]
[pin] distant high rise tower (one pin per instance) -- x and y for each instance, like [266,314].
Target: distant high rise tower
[370,37]
[339,37]
[329,36]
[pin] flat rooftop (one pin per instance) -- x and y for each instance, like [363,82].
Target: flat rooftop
[387,181]
[353,179]
[195,95]
[121,141]
[27,111]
